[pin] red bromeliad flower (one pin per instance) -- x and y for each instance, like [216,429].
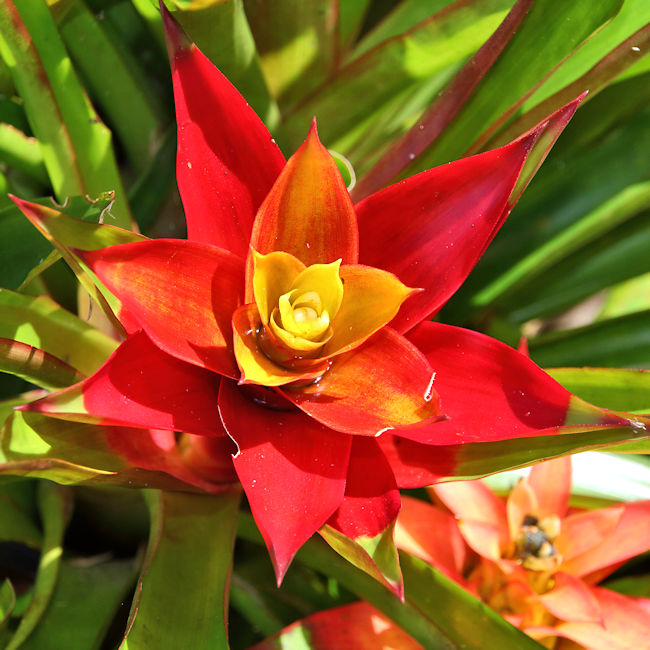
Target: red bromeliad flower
[269,326]
[534,559]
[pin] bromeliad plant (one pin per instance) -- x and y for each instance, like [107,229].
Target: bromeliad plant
[276,326]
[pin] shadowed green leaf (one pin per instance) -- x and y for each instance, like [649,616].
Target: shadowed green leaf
[190,545]
[84,603]
[623,341]
[54,505]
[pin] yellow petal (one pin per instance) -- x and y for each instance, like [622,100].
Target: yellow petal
[303,347]
[273,276]
[371,299]
[256,367]
[324,280]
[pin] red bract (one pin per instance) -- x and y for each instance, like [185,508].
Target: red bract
[534,559]
[270,325]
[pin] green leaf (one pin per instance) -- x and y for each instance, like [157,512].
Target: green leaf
[460,616]
[401,63]
[476,460]
[83,605]
[22,152]
[55,506]
[113,78]
[620,44]
[404,17]
[76,146]
[41,323]
[628,297]
[613,257]
[17,517]
[375,556]
[21,247]
[190,546]
[7,604]
[67,233]
[521,68]
[613,388]
[36,366]
[297,42]
[578,197]
[623,341]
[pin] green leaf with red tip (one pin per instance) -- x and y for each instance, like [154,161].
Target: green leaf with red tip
[41,323]
[36,366]
[76,146]
[72,453]
[195,557]
[415,464]
[67,233]
[376,556]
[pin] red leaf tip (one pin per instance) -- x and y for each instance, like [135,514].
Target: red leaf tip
[178,42]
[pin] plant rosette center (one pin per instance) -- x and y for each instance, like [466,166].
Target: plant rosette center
[304,316]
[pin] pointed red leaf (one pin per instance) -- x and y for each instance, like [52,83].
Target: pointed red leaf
[308,213]
[227,160]
[141,386]
[430,229]
[371,502]
[383,384]
[490,391]
[291,467]
[416,465]
[182,293]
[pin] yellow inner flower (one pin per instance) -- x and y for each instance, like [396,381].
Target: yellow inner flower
[298,305]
